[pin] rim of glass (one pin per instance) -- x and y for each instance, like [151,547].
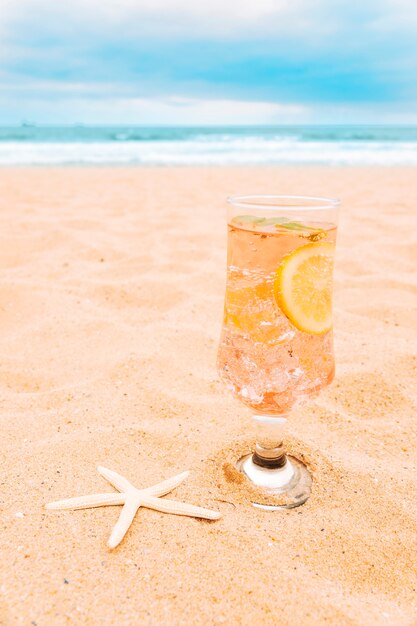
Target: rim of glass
[307,203]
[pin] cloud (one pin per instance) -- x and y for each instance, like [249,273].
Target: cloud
[320,22]
[103,104]
[286,52]
[184,111]
[213,19]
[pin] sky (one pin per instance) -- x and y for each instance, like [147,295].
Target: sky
[184,62]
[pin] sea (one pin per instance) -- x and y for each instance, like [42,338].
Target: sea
[30,144]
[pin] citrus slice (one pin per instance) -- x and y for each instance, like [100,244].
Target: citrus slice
[303,287]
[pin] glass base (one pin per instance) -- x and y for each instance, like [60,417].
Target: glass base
[290,483]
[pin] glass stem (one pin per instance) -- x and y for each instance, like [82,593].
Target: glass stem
[270,432]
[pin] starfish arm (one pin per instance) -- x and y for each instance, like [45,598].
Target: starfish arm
[87,502]
[178,508]
[167,485]
[129,511]
[119,482]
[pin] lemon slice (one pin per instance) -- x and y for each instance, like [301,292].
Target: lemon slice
[303,287]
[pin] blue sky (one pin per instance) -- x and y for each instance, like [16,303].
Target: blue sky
[217,62]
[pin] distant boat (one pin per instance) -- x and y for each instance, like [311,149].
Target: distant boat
[28,125]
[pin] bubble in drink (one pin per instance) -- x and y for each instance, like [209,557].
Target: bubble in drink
[276,348]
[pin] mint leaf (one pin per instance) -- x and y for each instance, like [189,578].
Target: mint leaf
[275,221]
[247,219]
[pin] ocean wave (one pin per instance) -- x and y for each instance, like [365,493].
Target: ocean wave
[225,150]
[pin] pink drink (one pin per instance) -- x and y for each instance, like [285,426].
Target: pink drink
[265,360]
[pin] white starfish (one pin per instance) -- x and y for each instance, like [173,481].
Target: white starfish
[133,498]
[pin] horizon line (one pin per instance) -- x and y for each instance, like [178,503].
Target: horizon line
[30,124]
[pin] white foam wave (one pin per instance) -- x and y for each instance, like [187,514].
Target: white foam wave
[222,151]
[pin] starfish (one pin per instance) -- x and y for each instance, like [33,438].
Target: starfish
[133,498]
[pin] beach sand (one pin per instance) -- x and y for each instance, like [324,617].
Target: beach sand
[111,295]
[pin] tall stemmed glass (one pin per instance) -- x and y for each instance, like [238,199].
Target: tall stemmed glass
[276,346]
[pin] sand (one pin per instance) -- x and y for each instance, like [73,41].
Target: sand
[111,291]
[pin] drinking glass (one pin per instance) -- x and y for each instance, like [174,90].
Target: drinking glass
[276,345]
